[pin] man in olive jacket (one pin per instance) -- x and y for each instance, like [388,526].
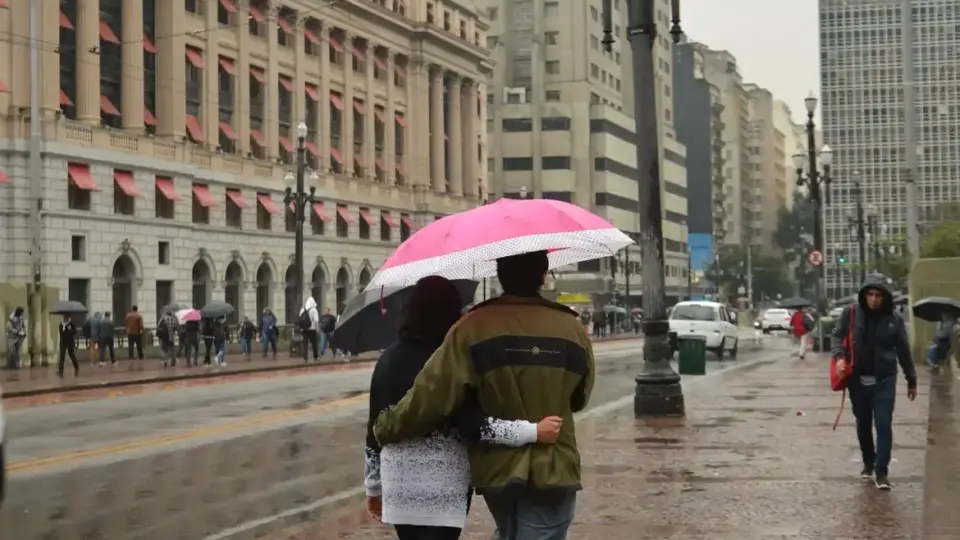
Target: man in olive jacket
[526,358]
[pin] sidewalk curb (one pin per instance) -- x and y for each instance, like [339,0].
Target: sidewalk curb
[173,378]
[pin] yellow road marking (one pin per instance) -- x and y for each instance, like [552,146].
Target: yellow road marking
[151,442]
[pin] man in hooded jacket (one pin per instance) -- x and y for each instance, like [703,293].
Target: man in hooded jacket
[310,334]
[880,342]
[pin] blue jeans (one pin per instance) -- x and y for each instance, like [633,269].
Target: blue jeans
[532,515]
[245,345]
[324,342]
[873,406]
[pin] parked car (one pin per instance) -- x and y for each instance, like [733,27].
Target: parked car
[711,320]
[775,319]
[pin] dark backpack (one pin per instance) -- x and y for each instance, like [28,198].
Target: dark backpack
[808,322]
[85,329]
[163,330]
[304,321]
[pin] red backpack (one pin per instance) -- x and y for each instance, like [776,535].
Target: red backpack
[839,381]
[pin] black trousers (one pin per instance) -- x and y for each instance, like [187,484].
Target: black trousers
[424,532]
[64,352]
[135,341]
[105,345]
[310,336]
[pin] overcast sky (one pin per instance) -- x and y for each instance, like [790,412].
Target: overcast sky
[775,42]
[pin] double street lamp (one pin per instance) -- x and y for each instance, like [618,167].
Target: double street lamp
[658,391]
[302,202]
[863,224]
[817,181]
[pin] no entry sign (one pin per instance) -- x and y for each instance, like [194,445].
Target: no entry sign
[815,258]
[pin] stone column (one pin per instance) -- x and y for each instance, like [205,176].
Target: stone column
[390,124]
[412,161]
[210,111]
[132,84]
[456,138]
[437,140]
[471,139]
[299,78]
[369,117]
[325,97]
[347,117]
[272,93]
[88,61]
[171,70]
[482,151]
[49,56]
[241,103]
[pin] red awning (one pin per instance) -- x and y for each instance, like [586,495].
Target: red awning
[258,138]
[378,111]
[336,45]
[388,219]
[203,195]
[286,83]
[398,69]
[365,214]
[193,128]
[286,144]
[3,177]
[321,212]
[196,58]
[336,101]
[311,147]
[358,106]
[126,182]
[237,198]
[335,155]
[229,5]
[380,63]
[228,65]
[148,117]
[228,131]
[357,53]
[401,120]
[257,74]
[312,92]
[379,163]
[65,22]
[284,25]
[106,33]
[80,176]
[256,14]
[311,37]
[400,166]
[149,46]
[345,214]
[107,107]
[65,99]
[165,185]
[267,203]
[409,223]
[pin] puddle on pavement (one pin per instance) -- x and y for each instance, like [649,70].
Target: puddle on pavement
[744,397]
[657,440]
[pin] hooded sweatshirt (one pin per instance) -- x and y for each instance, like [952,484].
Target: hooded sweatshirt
[310,306]
[880,339]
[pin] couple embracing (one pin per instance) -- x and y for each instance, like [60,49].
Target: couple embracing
[484,402]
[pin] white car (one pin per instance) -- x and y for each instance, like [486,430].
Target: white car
[711,320]
[775,319]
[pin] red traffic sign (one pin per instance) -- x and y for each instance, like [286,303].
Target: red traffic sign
[815,258]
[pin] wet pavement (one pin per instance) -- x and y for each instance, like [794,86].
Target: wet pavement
[755,459]
[941,521]
[240,459]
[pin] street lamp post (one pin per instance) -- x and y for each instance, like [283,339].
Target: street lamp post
[858,226]
[658,391]
[302,201]
[817,182]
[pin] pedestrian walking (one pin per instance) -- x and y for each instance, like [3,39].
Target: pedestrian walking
[68,345]
[167,329]
[939,349]
[328,323]
[421,486]
[872,336]
[105,336]
[206,334]
[16,334]
[522,355]
[91,332]
[220,340]
[268,332]
[247,331]
[309,324]
[599,324]
[191,340]
[133,324]
[802,323]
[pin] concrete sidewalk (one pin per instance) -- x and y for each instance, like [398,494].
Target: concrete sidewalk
[755,459]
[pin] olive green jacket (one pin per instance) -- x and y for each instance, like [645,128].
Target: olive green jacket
[526,358]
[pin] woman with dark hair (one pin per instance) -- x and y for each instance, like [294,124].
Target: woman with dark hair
[422,486]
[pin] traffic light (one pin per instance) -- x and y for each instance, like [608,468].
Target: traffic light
[841,257]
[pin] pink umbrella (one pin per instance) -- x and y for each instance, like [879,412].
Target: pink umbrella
[188,315]
[467,245]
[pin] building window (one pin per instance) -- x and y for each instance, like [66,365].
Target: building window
[290,219]
[343,227]
[551,9]
[68,62]
[193,6]
[317,223]
[555,123]
[405,229]
[552,95]
[201,204]
[110,51]
[79,187]
[257,26]
[225,81]
[78,248]
[555,163]
[553,67]
[517,125]
[235,205]
[163,204]
[518,164]
[594,71]
[386,227]
[365,223]
[163,252]
[78,290]
[264,216]
[551,38]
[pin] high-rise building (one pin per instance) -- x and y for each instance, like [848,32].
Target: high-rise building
[561,126]
[168,129]
[861,71]
[768,164]
[794,141]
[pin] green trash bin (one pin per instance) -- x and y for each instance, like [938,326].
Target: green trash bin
[693,355]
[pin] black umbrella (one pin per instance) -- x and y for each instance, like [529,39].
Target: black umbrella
[369,320]
[935,307]
[795,303]
[68,307]
[215,310]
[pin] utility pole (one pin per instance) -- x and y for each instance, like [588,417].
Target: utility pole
[35,317]
[750,277]
[910,129]
[658,391]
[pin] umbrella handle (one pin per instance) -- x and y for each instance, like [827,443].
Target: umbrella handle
[383,307]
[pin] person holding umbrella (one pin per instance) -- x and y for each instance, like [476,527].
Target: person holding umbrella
[68,345]
[802,323]
[945,312]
